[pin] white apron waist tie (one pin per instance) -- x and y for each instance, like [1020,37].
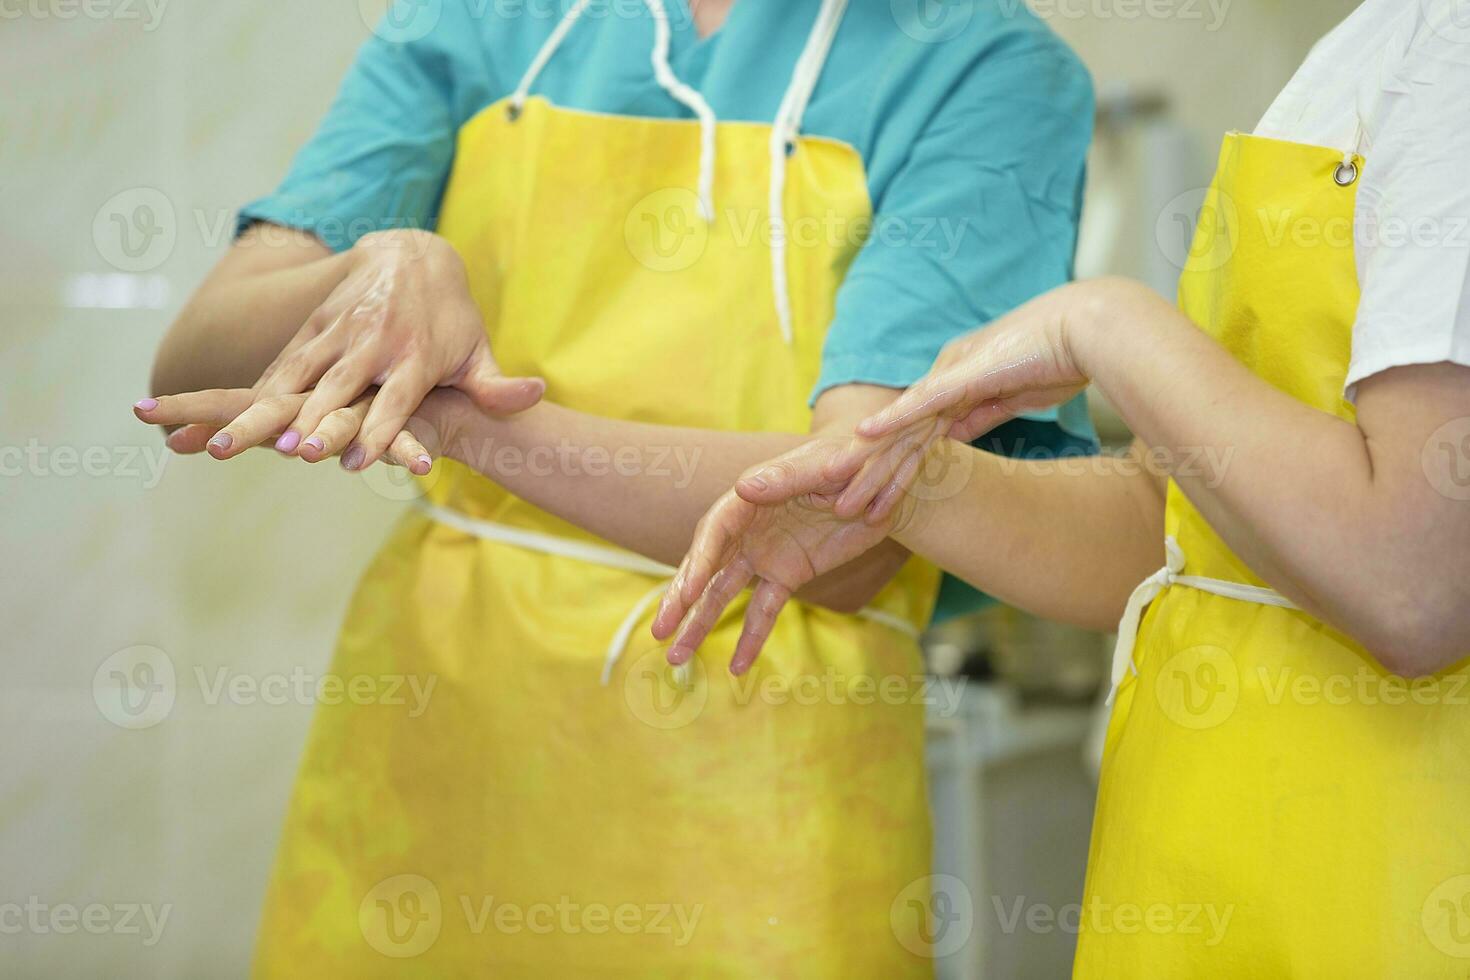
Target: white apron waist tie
[607,557]
[1150,588]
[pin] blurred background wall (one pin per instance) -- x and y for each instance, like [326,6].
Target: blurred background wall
[129,133]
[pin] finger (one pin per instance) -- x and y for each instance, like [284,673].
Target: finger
[706,555]
[847,461]
[408,452]
[338,388]
[335,433]
[980,421]
[303,361]
[880,471]
[933,396]
[903,479]
[395,401]
[261,422]
[493,391]
[722,590]
[216,406]
[760,618]
[793,474]
[190,439]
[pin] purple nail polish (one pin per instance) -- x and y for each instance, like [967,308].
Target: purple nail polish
[315,443]
[353,458]
[146,405]
[222,441]
[426,462]
[288,442]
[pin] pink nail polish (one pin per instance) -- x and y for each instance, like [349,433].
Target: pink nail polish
[222,441]
[352,459]
[427,464]
[288,442]
[146,405]
[315,444]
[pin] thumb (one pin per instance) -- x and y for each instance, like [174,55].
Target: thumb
[492,391]
[795,474]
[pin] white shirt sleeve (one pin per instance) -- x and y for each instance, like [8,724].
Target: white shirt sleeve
[1413,214]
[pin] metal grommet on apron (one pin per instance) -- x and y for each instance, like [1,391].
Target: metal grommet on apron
[1346,174]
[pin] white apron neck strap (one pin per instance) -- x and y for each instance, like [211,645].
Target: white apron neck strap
[784,131]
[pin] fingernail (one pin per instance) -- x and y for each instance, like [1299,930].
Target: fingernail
[288,442]
[759,483]
[174,438]
[222,441]
[352,459]
[426,462]
[146,405]
[315,444]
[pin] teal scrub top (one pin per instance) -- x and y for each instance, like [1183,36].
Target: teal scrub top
[972,119]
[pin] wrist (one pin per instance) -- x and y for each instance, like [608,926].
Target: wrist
[1099,318]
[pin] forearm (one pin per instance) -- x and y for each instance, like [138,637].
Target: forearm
[1065,539]
[244,314]
[643,487]
[1340,523]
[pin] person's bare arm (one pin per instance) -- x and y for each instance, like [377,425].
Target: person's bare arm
[246,310]
[645,487]
[1361,523]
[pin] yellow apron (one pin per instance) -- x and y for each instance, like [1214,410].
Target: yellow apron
[1273,803]
[534,821]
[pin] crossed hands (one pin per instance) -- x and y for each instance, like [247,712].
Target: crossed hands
[379,371]
[827,502]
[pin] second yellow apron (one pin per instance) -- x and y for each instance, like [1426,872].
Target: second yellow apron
[1273,802]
